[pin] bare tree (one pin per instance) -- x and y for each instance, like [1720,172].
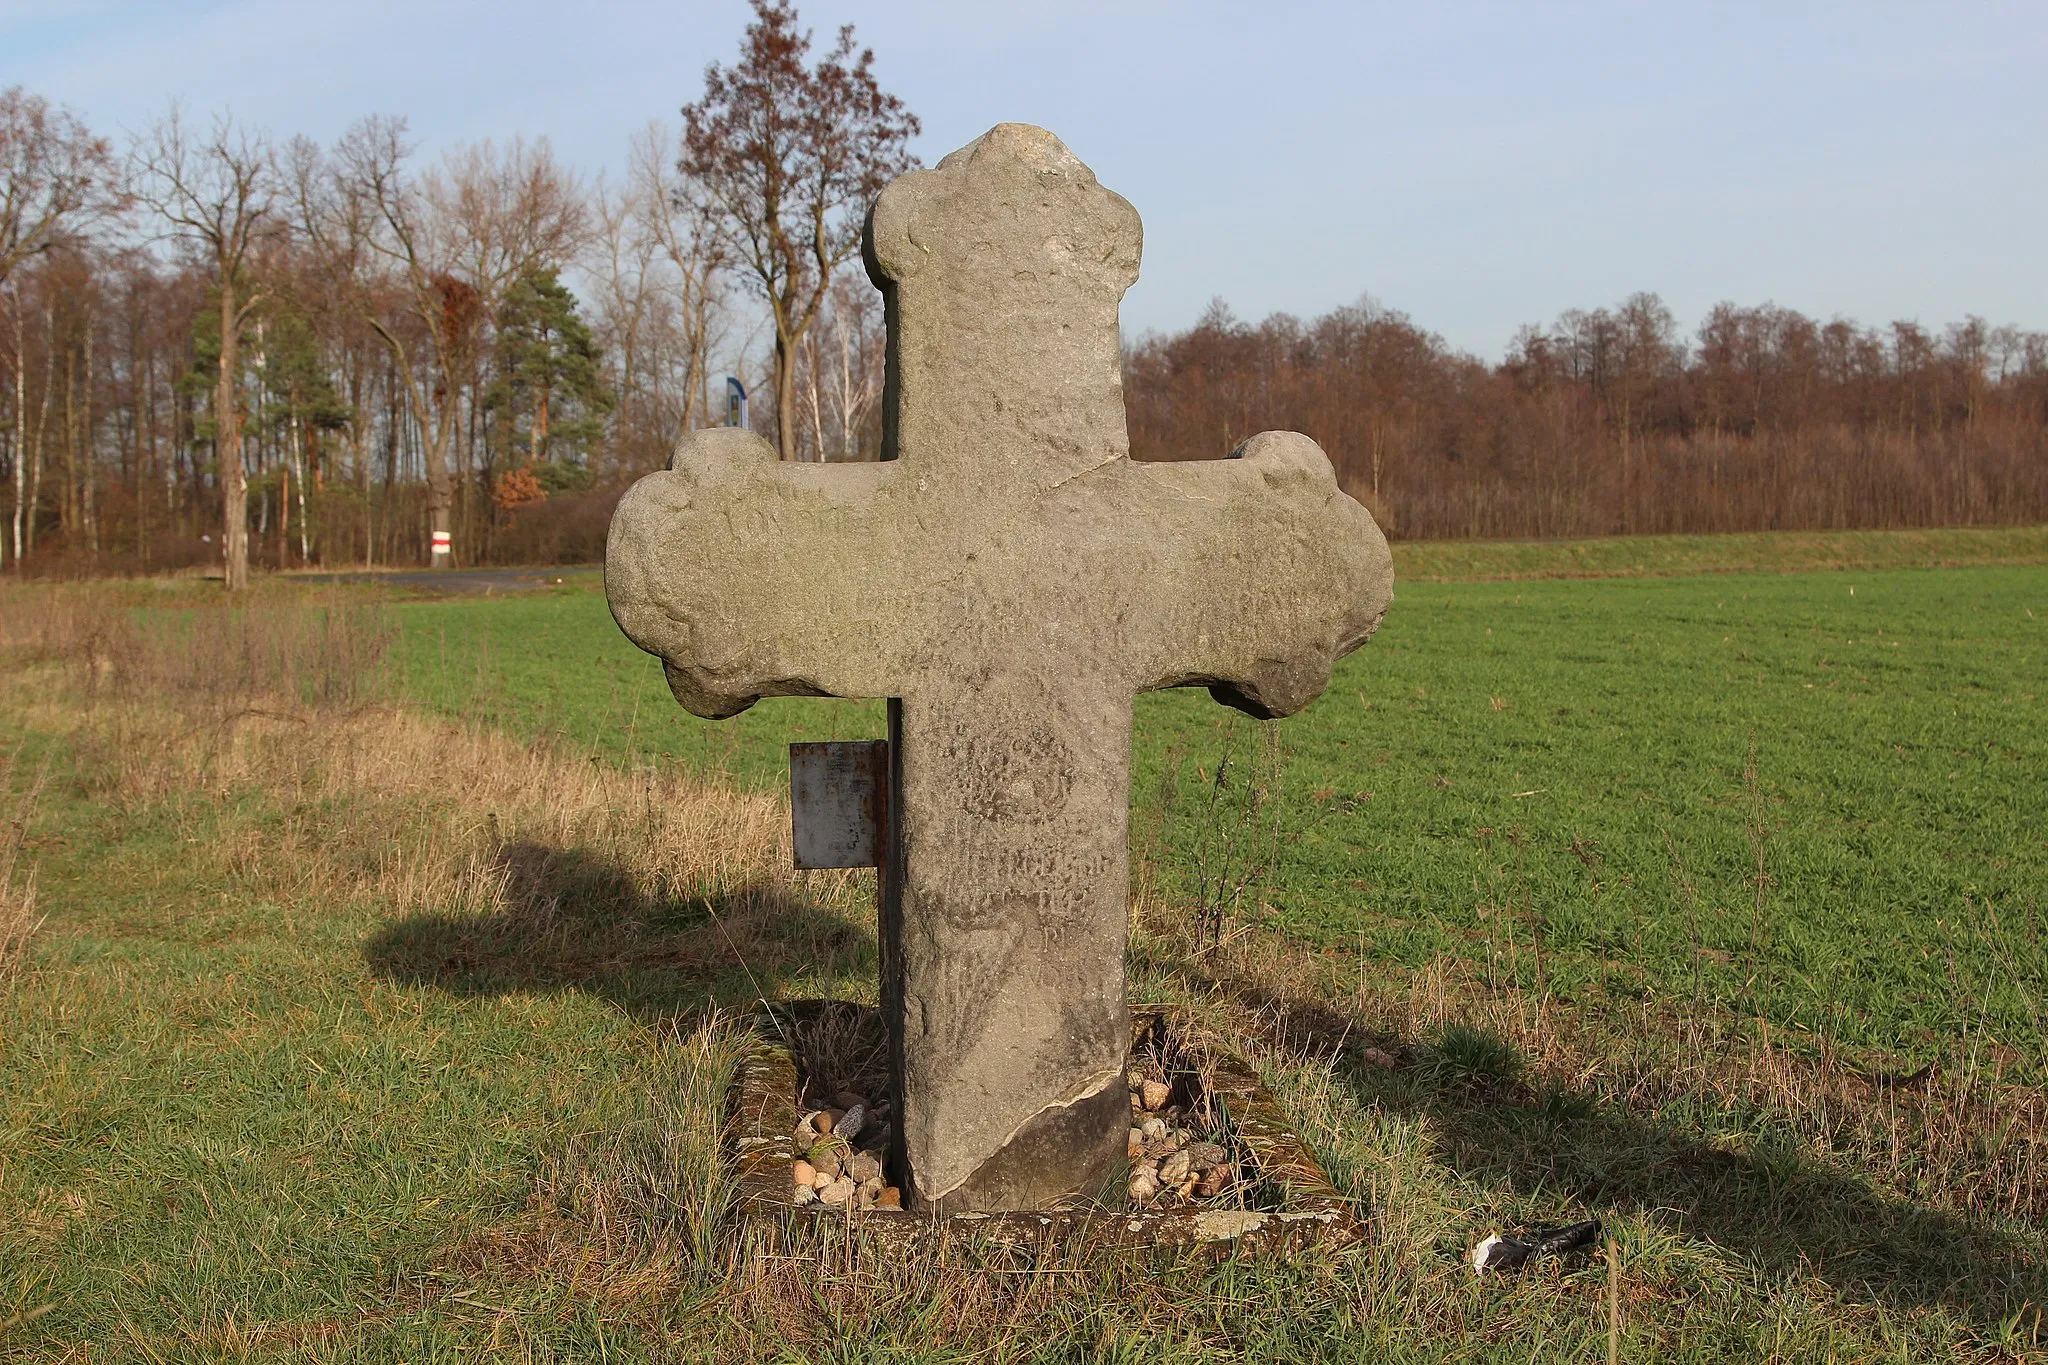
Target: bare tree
[54,176]
[329,280]
[841,373]
[219,196]
[458,237]
[1645,337]
[790,156]
[660,286]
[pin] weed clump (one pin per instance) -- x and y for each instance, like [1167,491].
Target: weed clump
[1463,1052]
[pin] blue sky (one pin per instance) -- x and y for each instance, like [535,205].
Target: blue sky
[1478,166]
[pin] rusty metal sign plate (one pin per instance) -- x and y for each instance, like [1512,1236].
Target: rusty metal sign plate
[838,802]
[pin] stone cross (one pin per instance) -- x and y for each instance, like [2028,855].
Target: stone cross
[1010,579]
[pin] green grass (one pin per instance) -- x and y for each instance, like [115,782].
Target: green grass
[255,1104]
[202,1067]
[1815,798]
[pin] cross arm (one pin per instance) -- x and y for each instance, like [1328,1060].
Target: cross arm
[752,577]
[1268,572]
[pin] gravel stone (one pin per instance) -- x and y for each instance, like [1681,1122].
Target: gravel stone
[838,1192]
[1154,1094]
[1173,1169]
[850,1122]
[803,1172]
[862,1167]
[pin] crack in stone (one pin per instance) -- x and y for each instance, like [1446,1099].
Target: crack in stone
[1081,474]
[1096,1085]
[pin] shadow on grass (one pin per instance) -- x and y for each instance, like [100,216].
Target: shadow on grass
[1561,1150]
[574,922]
[570,921]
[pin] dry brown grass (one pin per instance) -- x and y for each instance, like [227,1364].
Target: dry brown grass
[508,864]
[18,917]
[425,815]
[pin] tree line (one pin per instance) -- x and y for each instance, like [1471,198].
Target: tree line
[217,348]
[1611,421]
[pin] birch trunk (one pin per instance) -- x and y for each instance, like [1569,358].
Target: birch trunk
[20,425]
[227,427]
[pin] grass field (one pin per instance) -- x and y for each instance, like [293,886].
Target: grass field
[1814,797]
[353,1033]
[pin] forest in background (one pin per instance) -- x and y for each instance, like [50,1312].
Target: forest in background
[541,341]
[545,340]
[1615,422]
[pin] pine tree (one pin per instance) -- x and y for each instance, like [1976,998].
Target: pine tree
[549,395]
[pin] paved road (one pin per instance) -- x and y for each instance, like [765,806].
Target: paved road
[479,582]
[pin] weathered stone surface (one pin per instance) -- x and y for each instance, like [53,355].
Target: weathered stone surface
[1010,578]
